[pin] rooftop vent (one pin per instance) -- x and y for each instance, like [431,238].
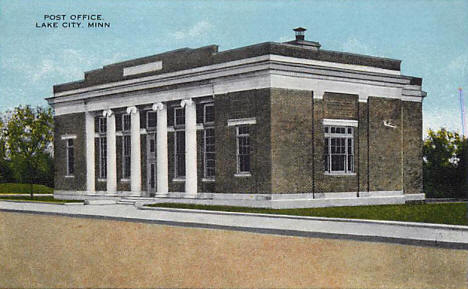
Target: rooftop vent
[299,33]
[300,40]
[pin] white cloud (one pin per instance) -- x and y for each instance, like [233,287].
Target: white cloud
[284,38]
[196,30]
[459,65]
[354,45]
[66,65]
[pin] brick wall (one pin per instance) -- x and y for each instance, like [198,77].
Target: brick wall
[412,147]
[253,103]
[71,124]
[291,141]
[385,145]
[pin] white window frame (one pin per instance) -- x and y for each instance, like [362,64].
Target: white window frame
[176,175]
[102,143]
[128,117]
[238,137]
[102,139]
[207,125]
[102,124]
[70,170]
[126,158]
[205,122]
[348,135]
[176,109]
[148,127]
[177,129]
[126,137]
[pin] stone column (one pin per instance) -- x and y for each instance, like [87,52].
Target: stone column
[135,151]
[190,147]
[111,177]
[161,150]
[90,153]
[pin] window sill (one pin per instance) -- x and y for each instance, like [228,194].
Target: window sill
[178,180]
[102,180]
[125,180]
[241,175]
[69,176]
[208,180]
[339,174]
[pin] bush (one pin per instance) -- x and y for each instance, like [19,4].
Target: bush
[24,188]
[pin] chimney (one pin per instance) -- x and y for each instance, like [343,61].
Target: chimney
[299,33]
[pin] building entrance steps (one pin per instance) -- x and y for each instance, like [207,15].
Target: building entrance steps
[275,201]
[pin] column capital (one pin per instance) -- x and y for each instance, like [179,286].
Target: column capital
[318,94]
[132,109]
[107,113]
[187,102]
[158,106]
[363,96]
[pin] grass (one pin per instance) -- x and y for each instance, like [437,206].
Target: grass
[13,188]
[445,213]
[39,198]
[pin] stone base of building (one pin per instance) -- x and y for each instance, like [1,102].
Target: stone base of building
[274,201]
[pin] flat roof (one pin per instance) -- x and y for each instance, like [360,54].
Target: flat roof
[187,58]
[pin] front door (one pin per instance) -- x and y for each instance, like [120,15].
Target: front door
[151,164]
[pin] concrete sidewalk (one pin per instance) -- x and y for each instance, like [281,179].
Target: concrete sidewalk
[448,236]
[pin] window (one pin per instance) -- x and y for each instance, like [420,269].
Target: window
[70,157]
[102,125]
[339,149]
[179,153]
[208,113]
[102,143]
[243,149]
[179,142]
[102,157]
[152,146]
[151,120]
[126,122]
[126,146]
[179,116]
[209,152]
[126,149]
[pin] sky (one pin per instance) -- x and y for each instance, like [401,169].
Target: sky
[430,37]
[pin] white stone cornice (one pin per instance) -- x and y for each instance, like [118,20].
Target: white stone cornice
[256,73]
[132,109]
[237,67]
[158,106]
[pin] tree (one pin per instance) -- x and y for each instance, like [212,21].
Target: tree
[28,140]
[444,164]
[4,169]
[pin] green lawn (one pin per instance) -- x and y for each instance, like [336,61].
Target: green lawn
[39,198]
[12,188]
[446,213]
